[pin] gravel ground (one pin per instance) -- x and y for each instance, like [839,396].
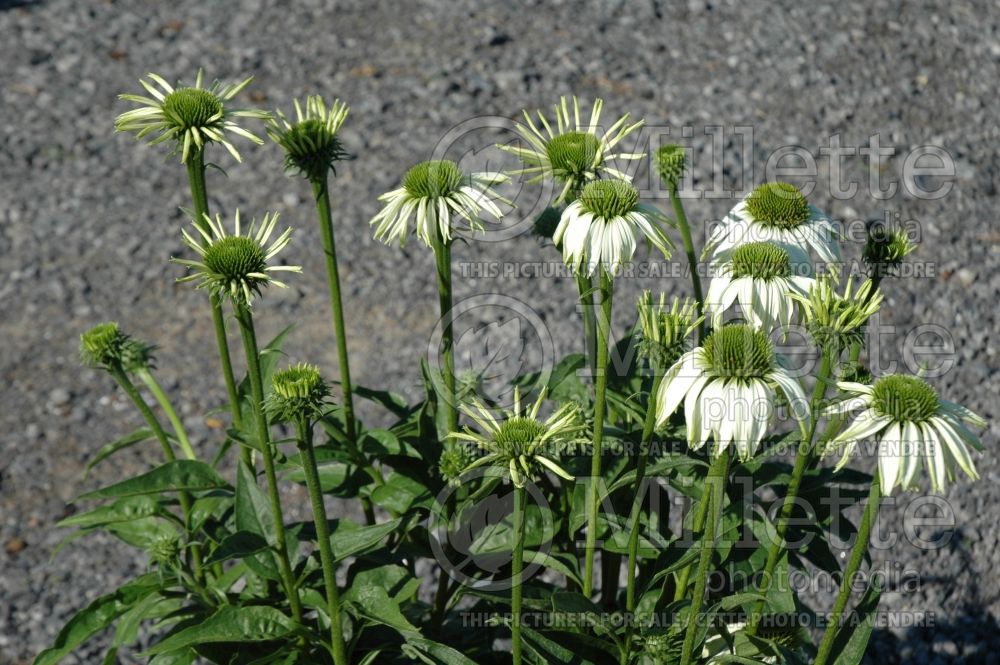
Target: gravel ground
[90,218]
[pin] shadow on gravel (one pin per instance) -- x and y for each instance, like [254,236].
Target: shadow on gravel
[16,4]
[970,634]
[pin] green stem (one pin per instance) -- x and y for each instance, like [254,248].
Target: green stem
[697,524]
[640,477]
[147,377]
[308,455]
[123,380]
[199,197]
[600,389]
[803,461]
[322,194]
[640,494]
[715,487]
[685,229]
[586,288]
[516,571]
[853,566]
[838,420]
[245,319]
[442,255]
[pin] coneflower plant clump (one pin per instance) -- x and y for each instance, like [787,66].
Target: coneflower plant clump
[544,526]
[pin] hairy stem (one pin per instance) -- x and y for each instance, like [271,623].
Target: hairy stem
[585,286]
[715,488]
[640,494]
[199,198]
[442,255]
[123,380]
[321,193]
[147,377]
[685,229]
[803,461]
[600,390]
[853,566]
[308,456]
[697,524]
[252,352]
[516,572]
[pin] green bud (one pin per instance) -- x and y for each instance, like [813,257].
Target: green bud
[102,346]
[297,391]
[671,161]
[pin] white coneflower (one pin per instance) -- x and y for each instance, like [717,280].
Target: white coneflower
[192,116]
[775,212]
[573,152]
[911,425]
[759,277]
[311,143]
[599,229]
[728,389]
[434,193]
[236,265]
[519,442]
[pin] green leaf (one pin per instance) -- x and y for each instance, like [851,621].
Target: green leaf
[544,651]
[375,604]
[348,539]
[334,476]
[852,639]
[390,400]
[253,515]
[230,624]
[96,617]
[668,462]
[382,442]
[144,532]
[270,355]
[238,545]
[176,476]
[123,510]
[109,449]
[153,606]
[179,657]
[564,383]
[395,579]
[552,562]
[400,493]
[439,652]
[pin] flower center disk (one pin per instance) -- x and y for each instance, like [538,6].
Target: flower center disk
[761,260]
[191,107]
[573,153]
[778,204]
[904,398]
[739,351]
[516,435]
[608,199]
[433,179]
[235,257]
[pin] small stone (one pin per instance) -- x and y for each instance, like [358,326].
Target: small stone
[214,423]
[15,546]
[966,276]
[59,397]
